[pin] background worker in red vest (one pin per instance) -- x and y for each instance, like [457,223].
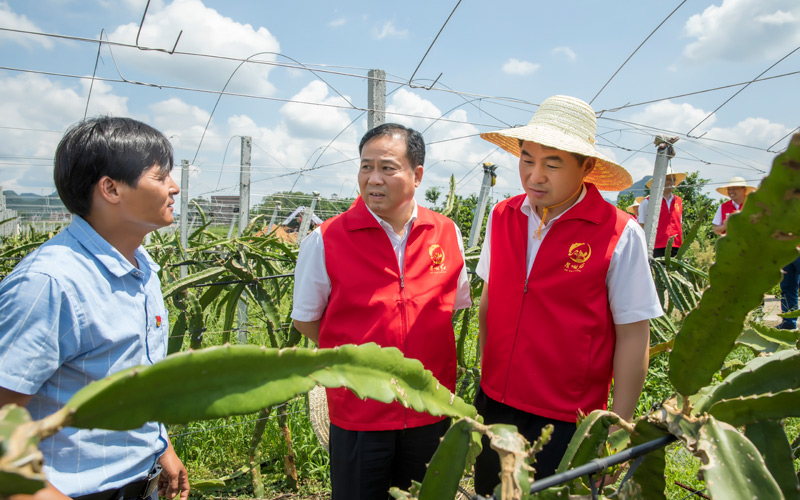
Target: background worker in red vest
[737,190]
[391,272]
[568,293]
[670,220]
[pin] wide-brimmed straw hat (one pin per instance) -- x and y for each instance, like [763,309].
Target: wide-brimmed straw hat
[568,124]
[318,415]
[636,202]
[679,177]
[735,182]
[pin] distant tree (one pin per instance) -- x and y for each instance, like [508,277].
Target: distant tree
[432,195]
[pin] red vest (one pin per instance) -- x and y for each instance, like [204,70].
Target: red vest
[728,208]
[371,301]
[669,223]
[550,334]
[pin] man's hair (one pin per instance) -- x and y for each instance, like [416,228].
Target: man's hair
[121,148]
[415,144]
[581,158]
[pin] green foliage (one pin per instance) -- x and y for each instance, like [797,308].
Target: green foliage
[759,242]
[235,380]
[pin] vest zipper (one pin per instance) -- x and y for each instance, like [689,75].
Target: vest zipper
[516,334]
[404,323]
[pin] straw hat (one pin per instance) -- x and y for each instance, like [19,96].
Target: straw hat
[318,414]
[735,182]
[679,177]
[636,203]
[568,124]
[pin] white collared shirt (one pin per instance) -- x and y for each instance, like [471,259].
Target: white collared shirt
[312,285]
[630,299]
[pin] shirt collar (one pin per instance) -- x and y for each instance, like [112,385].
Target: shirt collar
[528,210]
[104,252]
[385,225]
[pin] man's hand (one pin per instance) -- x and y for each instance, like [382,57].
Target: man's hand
[49,492]
[174,477]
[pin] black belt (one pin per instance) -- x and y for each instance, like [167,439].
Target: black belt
[137,490]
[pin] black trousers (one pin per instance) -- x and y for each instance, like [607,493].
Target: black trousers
[365,464]
[487,465]
[660,252]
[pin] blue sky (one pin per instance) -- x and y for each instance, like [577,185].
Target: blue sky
[497,60]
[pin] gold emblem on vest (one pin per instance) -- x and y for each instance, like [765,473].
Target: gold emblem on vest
[578,254]
[437,258]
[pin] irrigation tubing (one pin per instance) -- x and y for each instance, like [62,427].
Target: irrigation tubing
[596,465]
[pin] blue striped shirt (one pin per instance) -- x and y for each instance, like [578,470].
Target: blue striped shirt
[74,311]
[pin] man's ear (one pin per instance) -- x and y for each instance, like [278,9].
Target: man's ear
[108,189]
[418,175]
[588,166]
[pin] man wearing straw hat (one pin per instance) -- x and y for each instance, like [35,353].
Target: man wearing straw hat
[568,293]
[737,190]
[670,220]
[634,208]
[391,272]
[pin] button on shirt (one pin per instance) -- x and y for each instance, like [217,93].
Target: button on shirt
[630,300]
[72,312]
[313,285]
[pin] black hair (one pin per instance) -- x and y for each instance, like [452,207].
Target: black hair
[415,144]
[121,148]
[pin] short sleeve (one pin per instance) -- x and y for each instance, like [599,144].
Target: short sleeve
[643,210]
[631,292]
[312,285]
[717,217]
[39,330]
[482,269]
[463,299]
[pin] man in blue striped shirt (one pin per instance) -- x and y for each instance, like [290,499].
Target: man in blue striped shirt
[88,303]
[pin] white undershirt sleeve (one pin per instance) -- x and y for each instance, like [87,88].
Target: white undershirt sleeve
[312,285]
[463,299]
[631,292]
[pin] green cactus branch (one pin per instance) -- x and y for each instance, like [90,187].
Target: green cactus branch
[230,380]
[761,239]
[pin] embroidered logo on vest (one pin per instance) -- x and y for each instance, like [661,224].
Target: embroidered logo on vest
[437,258]
[578,254]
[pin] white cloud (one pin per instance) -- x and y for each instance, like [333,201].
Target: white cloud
[706,155]
[305,120]
[13,20]
[388,30]
[37,111]
[341,21]
[204,31]
[740,30]
[565,51]
[517,67]
[673,117]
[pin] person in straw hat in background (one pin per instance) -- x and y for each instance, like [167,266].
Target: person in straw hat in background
[568,293]
[737,190]
[670,220]
[634,208]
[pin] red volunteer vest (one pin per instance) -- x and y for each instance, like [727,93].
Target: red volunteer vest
[728,208]
[550,335]
[669,223]
[371,301]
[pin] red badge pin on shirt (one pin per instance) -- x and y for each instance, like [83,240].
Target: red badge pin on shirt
[158,321]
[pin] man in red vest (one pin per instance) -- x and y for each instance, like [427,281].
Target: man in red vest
[568,293]
[391,272]
[670,220]
[737,190]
